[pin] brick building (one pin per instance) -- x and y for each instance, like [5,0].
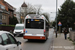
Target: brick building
[6,11]
[11,9]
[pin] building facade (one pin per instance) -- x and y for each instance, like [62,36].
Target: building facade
[5,12]
[11,9]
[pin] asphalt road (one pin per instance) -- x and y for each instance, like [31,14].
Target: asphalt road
[37,44]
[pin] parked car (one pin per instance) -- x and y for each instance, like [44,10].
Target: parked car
[18,29]
[8,42]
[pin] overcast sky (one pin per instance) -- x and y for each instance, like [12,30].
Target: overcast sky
[47,5]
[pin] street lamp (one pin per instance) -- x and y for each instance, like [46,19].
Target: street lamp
[56,17]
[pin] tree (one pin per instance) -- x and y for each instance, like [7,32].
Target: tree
[38,9]
[46,16]
[30,9]
[13,20]
[53,24]
[66,14]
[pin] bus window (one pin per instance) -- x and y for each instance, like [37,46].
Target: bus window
[47,26]
[35,23]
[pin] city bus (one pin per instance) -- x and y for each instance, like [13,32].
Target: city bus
[36,27]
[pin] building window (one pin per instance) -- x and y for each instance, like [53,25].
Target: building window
[3,17]
[2,7]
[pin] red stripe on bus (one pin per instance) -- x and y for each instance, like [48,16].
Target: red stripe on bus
[34,37]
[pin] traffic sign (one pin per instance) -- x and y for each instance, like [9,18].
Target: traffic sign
[59,24]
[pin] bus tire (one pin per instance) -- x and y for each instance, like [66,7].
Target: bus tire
[45,39]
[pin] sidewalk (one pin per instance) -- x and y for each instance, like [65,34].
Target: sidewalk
[61,44]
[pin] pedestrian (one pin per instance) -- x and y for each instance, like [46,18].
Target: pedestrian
[65,33]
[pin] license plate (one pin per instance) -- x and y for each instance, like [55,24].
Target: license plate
[33,34]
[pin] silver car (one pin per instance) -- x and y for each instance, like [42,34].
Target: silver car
[8,42]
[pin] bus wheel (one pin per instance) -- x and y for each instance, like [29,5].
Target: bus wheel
[45,39]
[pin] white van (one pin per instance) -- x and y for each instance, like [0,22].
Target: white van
[18,29]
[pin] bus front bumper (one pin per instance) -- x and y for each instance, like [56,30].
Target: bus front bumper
[34,37]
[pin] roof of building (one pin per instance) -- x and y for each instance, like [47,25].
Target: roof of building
[9,6]
[24,5]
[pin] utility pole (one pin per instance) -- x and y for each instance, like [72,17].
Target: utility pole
[56,18]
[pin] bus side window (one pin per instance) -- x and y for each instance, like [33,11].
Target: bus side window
[47,27]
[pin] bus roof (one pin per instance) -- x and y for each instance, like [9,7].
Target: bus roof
[34,16]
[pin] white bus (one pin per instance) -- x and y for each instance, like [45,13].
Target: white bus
[36,27]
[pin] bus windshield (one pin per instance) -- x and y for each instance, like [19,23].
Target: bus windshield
[35,23]
[19,27]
